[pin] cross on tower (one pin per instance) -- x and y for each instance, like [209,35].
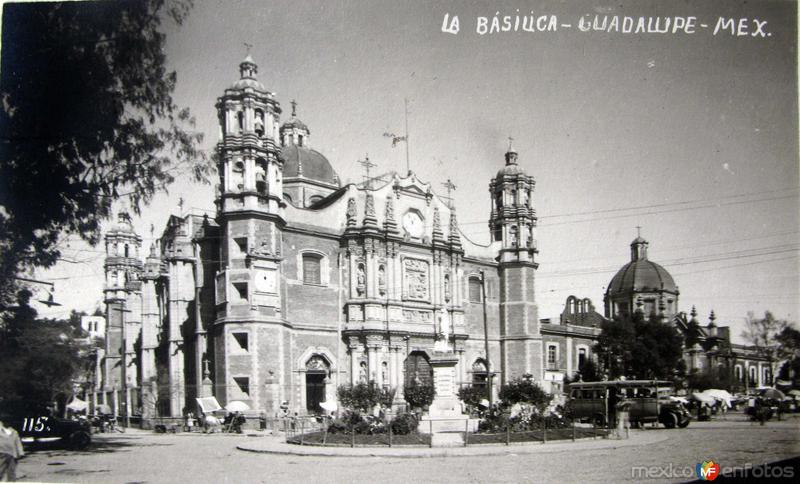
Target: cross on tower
[510,141]
[181,201]
[638,231]
[248,47]
[367,166]
[294,107]
[450,187]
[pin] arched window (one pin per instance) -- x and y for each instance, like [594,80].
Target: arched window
[312,273]
[259,123]
[752,375]
[240,118]
[582,354]
[737,370]
[475,292]
[480,373]
[127,251]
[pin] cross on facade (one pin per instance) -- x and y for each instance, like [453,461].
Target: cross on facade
[294,108]
[450,186]
[367,166]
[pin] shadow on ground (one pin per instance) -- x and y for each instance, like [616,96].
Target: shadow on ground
[98,446]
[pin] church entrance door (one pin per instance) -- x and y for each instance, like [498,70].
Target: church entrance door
[315,391]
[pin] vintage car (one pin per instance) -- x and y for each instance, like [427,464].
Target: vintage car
[648,402]
[75,434]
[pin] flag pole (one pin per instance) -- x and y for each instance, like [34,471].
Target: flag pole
[408,163]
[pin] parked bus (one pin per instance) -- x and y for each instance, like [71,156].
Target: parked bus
[649,402]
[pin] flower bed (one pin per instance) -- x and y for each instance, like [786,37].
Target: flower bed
[375,440]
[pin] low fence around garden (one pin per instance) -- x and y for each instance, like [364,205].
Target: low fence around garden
[374,432]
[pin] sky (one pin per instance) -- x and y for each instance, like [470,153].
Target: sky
[691,136]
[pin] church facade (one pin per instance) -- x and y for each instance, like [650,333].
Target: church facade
[298,284]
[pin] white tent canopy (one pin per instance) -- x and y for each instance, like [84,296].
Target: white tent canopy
[208,404]
[77,405]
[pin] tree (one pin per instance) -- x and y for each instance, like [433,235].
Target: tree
[765,334]
[41,360]
[87,118]
[633,347]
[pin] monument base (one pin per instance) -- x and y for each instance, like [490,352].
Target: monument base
[445,413]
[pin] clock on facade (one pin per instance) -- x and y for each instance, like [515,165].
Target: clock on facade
[413,224]
[265,281]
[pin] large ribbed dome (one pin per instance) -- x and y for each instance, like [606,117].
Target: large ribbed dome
[641,274]
[304,162]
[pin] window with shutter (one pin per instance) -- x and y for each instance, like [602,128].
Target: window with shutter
[311,269]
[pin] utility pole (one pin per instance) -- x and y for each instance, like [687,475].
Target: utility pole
[489,373]
[124,360]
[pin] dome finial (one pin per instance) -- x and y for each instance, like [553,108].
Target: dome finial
[294,108]
[638,246]
[248,67]
[511,153]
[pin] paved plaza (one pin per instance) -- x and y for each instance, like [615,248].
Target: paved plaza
[146,457]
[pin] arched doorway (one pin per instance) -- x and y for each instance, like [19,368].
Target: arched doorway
[418,369]
[317,370]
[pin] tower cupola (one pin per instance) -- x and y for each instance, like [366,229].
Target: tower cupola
[513,217]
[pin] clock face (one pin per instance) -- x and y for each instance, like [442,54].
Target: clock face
[412,222]
[265,281]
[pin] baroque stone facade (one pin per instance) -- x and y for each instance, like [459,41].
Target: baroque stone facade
[298,284]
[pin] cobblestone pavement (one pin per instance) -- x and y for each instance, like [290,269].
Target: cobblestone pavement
[145,457]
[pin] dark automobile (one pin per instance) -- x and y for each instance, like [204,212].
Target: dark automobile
[649,402]
[75,434]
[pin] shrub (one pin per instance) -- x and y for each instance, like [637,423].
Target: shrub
[404,424]
[419,395]
[524,390]
[364,397]
[473,395]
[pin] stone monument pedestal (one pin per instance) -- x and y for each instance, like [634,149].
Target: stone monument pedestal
[445,414]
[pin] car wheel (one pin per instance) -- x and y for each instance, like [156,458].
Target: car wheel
[80,440]
[600,420]
[670,420]
[684,423]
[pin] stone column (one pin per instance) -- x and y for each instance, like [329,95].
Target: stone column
[354,346]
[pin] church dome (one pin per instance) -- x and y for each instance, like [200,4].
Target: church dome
[299,161]
[511,167]
[294,123]
[248,70]
[641,274]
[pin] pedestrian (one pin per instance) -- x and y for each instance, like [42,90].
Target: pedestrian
[10,452]
[623,417]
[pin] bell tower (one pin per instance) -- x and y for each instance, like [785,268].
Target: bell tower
[250,210]
[512,222]
[249,162]
[122,291]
